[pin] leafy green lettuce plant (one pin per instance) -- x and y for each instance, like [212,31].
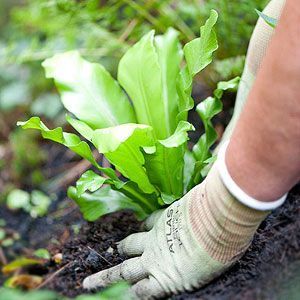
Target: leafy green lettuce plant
[139,123]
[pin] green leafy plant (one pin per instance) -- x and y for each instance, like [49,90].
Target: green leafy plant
[139,123]
[119,291]
[36,203]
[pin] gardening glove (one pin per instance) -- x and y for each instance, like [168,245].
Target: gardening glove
[256,51]
[186,245]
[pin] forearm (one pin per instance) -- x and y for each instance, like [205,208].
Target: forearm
[263,156]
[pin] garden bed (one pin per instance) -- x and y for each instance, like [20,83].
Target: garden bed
[275,247]
[275,251]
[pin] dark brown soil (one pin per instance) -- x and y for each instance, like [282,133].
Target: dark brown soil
[263,273]
[93,250]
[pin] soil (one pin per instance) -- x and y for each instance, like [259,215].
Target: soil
[266,271]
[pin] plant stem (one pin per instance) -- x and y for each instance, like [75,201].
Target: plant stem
[129,190]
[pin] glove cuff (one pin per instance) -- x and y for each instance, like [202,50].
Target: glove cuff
[237,192]
[223,226]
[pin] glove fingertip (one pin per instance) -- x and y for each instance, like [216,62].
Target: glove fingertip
[88,283]
[120,248]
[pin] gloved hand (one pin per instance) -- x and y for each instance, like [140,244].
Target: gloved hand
[187,245]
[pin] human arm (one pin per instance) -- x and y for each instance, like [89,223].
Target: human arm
[263,155]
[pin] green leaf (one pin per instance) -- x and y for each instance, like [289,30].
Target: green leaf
[179,137]
[89,181]
[150,83]
[85,130]
[55,135]
[169,57]
[2,234]
[184,90]
[149,202]
[18,294]
[121,146]
[17,199]
[165,166]
[40,203]
[42,253]
[226,85]
[198,54]
[207,109]
[102,202]
[70,140]
[88,91]
[19,263]
[269,20]
[118,291]
[189,163]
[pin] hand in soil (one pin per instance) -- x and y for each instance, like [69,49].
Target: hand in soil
[186,245]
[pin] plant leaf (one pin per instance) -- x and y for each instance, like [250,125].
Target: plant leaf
[40,203]
[165,166]
[18,199]
[189,163]
[24,281]
[121,146]
[88,91]
[169,57]
[179,137]
[70,140]
[207,109]
[269,20]
[149,202]
[18,294]
[102,202]
[85,130]
[184,90]
[152,93]
[89,181]
[198,54]
[20,263]
[42,253]
[226,85]
[117,291]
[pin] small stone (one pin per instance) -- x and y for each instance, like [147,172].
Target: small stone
[58,258]
[93,259]
[110,250]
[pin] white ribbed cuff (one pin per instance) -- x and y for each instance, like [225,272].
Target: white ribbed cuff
[237,192]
